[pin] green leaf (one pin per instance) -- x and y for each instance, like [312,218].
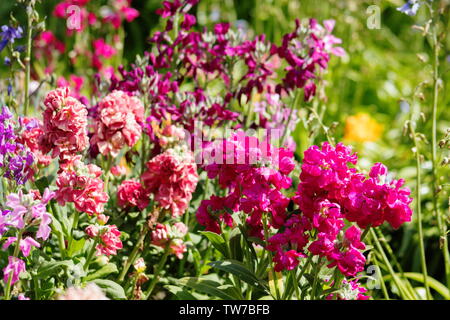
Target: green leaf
[217,241]
[47,269]
[112,289]
[257,241]
[180,293]
[41,184]
[102,272]
[239,270]
[213,288]
[239,70]
[433,283]
[77,245]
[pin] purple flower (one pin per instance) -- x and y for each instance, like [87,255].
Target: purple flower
[15,158]
[9,34]
[410,8]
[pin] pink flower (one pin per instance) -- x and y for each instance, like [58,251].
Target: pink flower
[177,247]
[286,260]
[26,211]
[172,178]
[90,292]
[119,170]
[118,122]
[21,296]
[101,48]
[160,235]
[92,231]
[30,136]
[24,245]
[130,194]
[109,237]
[254,172]
[349,262]
[179,229]
[65,123]
[350,290]
[81,184]
[15,267]
[170,237]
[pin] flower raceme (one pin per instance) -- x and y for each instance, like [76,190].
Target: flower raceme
[65,125]
[131,194]
[170,237]
[108,237]
[81,184]
[329,193]
[254,172]
[118,123]
[16,158]
[25,211]
[172,178]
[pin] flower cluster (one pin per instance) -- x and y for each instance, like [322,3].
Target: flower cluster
[330,192]
[172,178]
[201,57]
[170,237]
[118,122]
[9,35]
[254,173]
[108,237]
[15,158]
[65,125]
[307,49]
[25,211]
[131,194]
[349,290]
[81,184]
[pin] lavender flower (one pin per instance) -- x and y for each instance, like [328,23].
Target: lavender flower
[410,8]
[9,34]
[15,158]
[25,211]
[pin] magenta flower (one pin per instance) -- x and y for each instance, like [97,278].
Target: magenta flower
[25,244]
[15,267]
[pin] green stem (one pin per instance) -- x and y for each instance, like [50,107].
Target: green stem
[266,236]
[293,106]
[440,220]
[402,290]
[366,231]
[316,280]
[133,254]
[383,285]
[159,267]
[76,218]
[295,283]
[90,255]
[419,216]
[27,61]
[395,262]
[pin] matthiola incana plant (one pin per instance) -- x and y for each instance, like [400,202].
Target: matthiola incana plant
[205,169]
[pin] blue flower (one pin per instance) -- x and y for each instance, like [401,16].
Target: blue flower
[410,8]
[9,34]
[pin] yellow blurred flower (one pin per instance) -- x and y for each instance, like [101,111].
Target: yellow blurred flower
[362,128]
